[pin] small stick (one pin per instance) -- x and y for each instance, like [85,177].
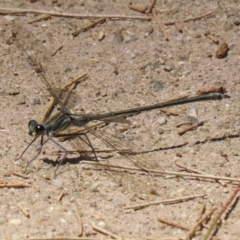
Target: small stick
[178,27]
[14,185]
[207,34]
[74,81]
[193,127]
[80,223]
[106,232]
[222,210]
[59,48]
[62,194]
[168,201]
[88,26]
[218,89]
[169,112]
[63,238]
[197,171]
[20,175]
[25,212]
[188,169]
[201,211]
[208,14]
[199,222]
[173,224]
[183,123]
[165,238]
[74,84]
[180,174]
[69,93]
[52,101]
[49,109]
[40,18]
[160,24]
[171,23]
[189,19]
[151,6]
[17,11]
[136,8]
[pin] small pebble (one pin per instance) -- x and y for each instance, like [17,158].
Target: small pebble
[9,18]
[129,36]
[157,85]
[101,224]
[161,120]
[228,26]
[101,36]
[87,185]
[15,221]
[192,112]
[94,188]
[118,37]
[168,68]
[34,100]
[237,22]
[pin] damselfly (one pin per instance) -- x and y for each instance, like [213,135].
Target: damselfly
[44,66]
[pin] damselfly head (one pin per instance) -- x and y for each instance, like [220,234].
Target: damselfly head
[35,128]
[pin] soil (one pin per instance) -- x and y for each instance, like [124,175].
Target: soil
[129,63]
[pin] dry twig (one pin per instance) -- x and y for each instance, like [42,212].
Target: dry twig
[173,224]
[80,223]
[74,81]
[63,88]
[169,112]
[14,185]
[188,168]
[199,222]
[151,6]
[168,201]
[214,89]
[20,175]
[17,11]
[63,238]
[208,14]
[25,212]
[40,18]
[57,49]
[61,195]
[193,127]
[158,172]
[106,232]
[207,34]
[201,211]
[223,209]
[90,25]
[136,8]
[178,27]
[160,24]
[183,123]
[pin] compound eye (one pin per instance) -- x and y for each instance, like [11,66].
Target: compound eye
[35,128]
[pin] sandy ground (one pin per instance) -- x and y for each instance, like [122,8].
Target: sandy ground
[129,64]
